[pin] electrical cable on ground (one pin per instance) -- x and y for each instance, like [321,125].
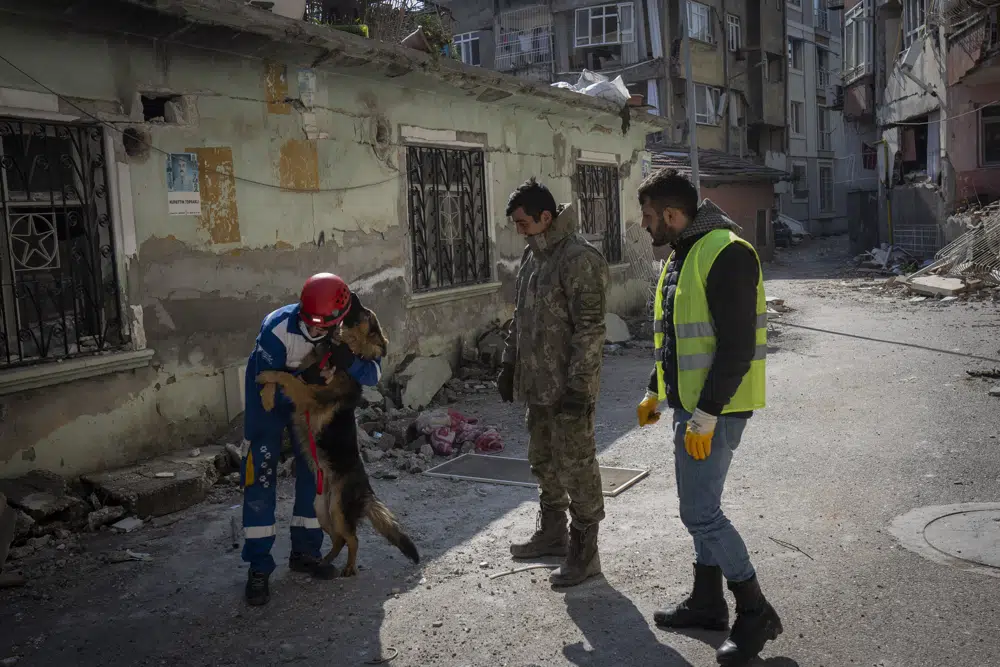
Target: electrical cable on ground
[243,179]
[883,340]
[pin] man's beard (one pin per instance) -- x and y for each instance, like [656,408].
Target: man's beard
[663,235]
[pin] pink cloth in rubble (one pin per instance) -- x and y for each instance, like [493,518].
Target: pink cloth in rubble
[448,429]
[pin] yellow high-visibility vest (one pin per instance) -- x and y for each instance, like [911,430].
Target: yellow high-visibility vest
[695,332]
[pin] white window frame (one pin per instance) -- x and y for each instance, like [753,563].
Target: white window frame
[803,194]
[983,122]
[824,128]
[463,42]
[625,13]
[710,95]
[792,43]
[914,21]
[700,24]
[734,32]
[796,120]
[826,198]
[857,41]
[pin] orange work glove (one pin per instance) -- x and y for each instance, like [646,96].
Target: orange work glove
[647,410]
[698,439]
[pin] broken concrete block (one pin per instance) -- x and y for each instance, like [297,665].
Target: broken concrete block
[385,442]
[372,397]
[937,286]
[365,440]
[616,331]
[104,516]
[145,492]
[995,391]
[399,430]
[41,495]
[422,378]
[427,452]
[372,455]
[128,525]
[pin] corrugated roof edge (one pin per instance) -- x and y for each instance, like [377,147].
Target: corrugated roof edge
[341,44]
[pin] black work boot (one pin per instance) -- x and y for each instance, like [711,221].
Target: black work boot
[300,562]
[582,560]
[549,539]
[257,591]
[756,623]
[705,608]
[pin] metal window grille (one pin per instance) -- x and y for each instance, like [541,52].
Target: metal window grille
[734,32]
[822,73]
[822,15]
[524,39]
[599,192]
[59,290]
[448,223]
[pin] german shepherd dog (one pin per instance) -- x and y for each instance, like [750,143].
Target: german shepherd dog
[325,415]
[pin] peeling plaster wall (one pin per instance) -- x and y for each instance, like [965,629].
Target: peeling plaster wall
[972,178]
[292,182]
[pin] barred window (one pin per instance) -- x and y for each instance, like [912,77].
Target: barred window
[599,192]
[59,295]
[447,217]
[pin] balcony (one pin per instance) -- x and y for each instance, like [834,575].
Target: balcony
[524,44]
[822,19]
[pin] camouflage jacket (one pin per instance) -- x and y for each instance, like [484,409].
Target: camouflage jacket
[556,339]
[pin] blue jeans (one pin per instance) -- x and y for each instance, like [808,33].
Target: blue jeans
[699,489]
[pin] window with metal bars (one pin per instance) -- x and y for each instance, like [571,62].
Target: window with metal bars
[447,217]
[599,196]
[59,289]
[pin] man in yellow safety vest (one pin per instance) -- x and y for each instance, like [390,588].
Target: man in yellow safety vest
[710,340]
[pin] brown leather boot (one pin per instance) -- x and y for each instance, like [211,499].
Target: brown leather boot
[549,539]
[582,561]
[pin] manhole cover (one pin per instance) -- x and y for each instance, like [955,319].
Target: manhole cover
[972,536]
[965,536]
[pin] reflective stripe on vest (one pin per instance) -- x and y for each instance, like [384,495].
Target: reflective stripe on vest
[694,331]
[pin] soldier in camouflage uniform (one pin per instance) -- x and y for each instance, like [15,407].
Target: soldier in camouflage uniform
[552,362]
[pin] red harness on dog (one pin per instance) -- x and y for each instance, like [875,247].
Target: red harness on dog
[312,451]
[312,439]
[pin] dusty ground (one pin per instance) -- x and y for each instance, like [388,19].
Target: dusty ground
[856,433]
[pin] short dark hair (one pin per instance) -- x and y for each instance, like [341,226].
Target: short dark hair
[534,198]
[668,188]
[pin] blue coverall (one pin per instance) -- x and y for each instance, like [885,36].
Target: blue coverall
[281,345]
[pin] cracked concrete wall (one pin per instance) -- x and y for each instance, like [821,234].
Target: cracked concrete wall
[294,179]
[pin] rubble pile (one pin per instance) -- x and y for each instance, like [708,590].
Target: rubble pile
[51,514]
[887,260]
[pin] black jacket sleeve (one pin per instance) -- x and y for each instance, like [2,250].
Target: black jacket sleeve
[731,289]
[654,385]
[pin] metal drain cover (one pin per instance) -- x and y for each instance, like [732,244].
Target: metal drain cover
[973,536]
[965,536]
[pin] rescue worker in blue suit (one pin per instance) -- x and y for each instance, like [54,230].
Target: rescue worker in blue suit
[286,336]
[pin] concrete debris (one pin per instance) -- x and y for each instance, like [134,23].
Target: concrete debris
[235,456]
[8,528]
[128,525]
[421,380]
[778,305]
[43,496]
[490,345]
[973,257]
[889,259]
[995,391]
[992,374]
[145,492]
[616,331]
[372,455]
[165,475]
[918,299]
[370,396]
[104,516]
[126,556]
[613,349]
[937,286]
[195,453]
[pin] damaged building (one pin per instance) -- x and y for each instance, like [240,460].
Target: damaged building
[937,90]
[172,171]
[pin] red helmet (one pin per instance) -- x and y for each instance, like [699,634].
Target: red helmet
[325,300]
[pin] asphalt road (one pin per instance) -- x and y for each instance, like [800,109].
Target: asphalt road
[857,432]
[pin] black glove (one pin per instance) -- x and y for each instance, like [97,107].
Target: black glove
[341,357]
[575,404]
[505,383]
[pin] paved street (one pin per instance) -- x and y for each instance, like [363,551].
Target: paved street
[856,433]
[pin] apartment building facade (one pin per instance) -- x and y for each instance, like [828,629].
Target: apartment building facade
[737,54]
[818,157]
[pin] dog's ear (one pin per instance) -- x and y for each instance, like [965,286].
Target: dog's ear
[356,302]
[354,315]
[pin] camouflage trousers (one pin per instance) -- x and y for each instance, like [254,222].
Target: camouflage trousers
[563,457]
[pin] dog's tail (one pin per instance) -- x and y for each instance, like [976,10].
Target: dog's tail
[386,524]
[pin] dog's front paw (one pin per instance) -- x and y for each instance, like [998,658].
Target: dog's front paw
[349,571]
[267,396]
[265,377]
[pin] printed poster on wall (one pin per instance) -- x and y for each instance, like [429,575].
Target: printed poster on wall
[183,196]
